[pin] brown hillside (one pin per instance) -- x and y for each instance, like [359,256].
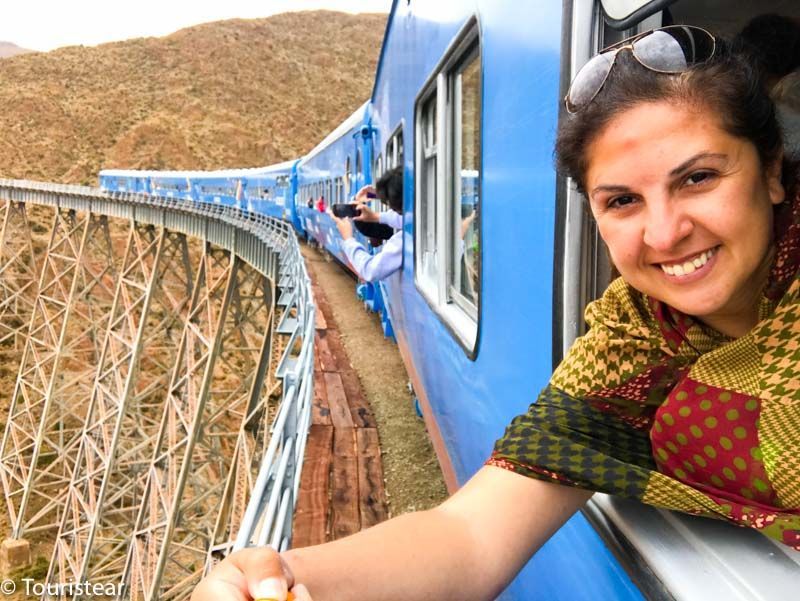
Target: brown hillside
[237,93]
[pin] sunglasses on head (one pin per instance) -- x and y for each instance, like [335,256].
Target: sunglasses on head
[670,50]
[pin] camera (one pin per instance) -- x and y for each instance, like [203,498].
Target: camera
[341,210]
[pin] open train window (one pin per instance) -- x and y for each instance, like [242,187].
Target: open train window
[669,555]
[448,160]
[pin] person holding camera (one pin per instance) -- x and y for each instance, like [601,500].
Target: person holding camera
[369,267]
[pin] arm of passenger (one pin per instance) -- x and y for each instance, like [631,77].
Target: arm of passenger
[392,219]
[372,268]
[469,548]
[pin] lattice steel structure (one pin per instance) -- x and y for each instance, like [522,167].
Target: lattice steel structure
[163,387]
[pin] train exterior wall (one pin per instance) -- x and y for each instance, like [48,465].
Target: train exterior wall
[468,402]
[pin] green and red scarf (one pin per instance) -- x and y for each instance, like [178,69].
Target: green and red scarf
[653,405]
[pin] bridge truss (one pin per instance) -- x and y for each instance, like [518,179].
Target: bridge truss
[163,354]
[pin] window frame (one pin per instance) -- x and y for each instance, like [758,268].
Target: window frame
[395,147]
[436,95]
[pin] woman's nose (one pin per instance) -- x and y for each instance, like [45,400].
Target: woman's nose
[666,226]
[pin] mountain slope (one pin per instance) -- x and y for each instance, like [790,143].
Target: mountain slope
[8,49]
[236,93]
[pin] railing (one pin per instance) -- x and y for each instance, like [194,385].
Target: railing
[270,246]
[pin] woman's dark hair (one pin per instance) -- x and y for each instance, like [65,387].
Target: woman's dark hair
[390,189]
[729,84]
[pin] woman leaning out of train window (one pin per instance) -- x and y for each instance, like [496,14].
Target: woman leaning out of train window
[685,392]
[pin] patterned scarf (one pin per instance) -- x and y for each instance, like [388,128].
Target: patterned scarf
[654,405]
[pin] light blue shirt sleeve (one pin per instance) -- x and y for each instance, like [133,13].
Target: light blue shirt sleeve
[372,268]
[392,219]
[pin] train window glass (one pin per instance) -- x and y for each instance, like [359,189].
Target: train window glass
[347,176]
[464,272]
[358,167]
[448,158]
[425,251]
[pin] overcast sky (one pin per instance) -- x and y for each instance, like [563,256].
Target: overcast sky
[48,24]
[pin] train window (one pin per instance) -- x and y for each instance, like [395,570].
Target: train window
[358,167]
[425,212]
[448,158]
[396,148]
[668,555]
[347,176]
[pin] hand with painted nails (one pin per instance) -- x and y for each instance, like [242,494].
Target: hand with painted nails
[255,574]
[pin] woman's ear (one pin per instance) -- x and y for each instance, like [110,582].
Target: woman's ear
[777,193]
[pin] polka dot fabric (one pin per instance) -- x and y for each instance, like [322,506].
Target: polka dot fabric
[707,437]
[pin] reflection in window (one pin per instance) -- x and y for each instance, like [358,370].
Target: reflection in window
[465,256]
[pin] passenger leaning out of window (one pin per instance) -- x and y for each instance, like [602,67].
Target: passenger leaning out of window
[371,268]
[684,393]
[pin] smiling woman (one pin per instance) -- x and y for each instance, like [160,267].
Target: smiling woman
[680,394]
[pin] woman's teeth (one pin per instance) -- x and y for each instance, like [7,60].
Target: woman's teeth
[687,267]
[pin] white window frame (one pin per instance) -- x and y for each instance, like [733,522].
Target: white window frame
[434,282]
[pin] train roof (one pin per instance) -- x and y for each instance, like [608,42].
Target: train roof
[245,172]
[347,125]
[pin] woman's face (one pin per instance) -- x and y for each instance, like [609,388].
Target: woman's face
[686,211]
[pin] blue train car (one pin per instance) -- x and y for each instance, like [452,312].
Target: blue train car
[122,180]
[331,173]
[219,187]
[173,184]
[272,191]
[500,257]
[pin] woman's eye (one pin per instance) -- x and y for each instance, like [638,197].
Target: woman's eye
[699,177]
[621,201]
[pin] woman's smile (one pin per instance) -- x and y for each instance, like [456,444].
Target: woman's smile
[690,268]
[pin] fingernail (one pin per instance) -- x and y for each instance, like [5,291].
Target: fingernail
[270,588]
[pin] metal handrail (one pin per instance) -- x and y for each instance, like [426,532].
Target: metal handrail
[268,516]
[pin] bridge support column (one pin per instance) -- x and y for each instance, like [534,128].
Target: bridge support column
[15,554]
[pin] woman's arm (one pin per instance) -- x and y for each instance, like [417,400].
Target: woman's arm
[468,548]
